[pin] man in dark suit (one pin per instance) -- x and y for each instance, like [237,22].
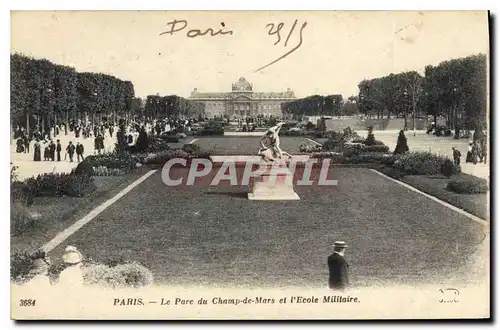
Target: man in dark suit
[338,267]
[58,150]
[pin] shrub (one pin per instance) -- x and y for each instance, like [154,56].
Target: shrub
[336,157]
[21,264]
[78,185]
[191,148]
[363,158]
[370,139]
[421,163]
[195,151]
[157,144]
[86,167]
[468,185]
[21,220]
[21,192]
[331,144]
[104,171]
[402,144]
[376,148]
[142,142]
[60,184]
[124,161]
[126,275]
[213,127]
[388,159]
[310,126]
[351,149]
[121,145]
[310,148]
[162,158]
[447,168]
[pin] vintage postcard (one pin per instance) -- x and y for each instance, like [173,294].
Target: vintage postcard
[259,165]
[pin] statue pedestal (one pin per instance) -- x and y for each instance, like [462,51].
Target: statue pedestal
[276,183]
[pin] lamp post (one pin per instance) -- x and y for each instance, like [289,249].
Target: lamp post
[95,108]
[49,105]
[405,93]
[455,91]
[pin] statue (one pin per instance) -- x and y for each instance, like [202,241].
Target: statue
[276,182]
[270,143]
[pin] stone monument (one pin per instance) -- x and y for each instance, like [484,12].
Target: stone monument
[276,182]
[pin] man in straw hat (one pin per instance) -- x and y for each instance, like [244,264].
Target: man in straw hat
[338,267]
[72,274]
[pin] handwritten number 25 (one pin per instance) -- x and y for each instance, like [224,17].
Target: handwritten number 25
[276,30]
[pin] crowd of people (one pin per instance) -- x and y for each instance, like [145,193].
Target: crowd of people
[43,144]
[47,146]
[477,150]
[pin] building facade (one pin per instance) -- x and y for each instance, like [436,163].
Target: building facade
[242,101]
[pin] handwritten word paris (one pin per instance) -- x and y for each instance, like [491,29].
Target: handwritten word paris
[276,30]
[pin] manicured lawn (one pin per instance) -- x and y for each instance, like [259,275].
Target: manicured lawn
[247,145]
[58,213]
[213,235]
[476,204]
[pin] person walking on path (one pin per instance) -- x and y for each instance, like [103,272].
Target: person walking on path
[58,150]
[338,267]
[70,150]
[79,151]
[457,155]
[26,141]
[38,153]
[52,150]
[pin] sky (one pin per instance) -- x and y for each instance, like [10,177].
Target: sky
[338,49]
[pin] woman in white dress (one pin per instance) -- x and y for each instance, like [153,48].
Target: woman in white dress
[72,275]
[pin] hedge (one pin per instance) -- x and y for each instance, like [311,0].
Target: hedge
[60,184]
[163,157]
[125,162]
[468,185]
[422,163]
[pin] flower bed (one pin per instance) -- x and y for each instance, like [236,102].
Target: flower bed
[125,162]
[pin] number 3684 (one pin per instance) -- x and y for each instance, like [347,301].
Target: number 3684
[27,302]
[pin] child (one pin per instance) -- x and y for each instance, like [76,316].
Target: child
[456,156]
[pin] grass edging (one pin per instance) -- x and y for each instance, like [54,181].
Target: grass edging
[37,237]
[441,197]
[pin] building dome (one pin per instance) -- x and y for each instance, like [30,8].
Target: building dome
[242,85]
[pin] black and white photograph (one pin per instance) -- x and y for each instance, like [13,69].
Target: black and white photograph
[207,165]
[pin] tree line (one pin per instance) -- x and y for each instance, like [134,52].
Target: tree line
[172,106]
[318,105]
[44,94]
[455,90]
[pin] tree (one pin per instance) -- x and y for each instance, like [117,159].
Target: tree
[351,106]
[19,90]
[402,144]
[370,139]
[121,145]
[142,140]
[66,93]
